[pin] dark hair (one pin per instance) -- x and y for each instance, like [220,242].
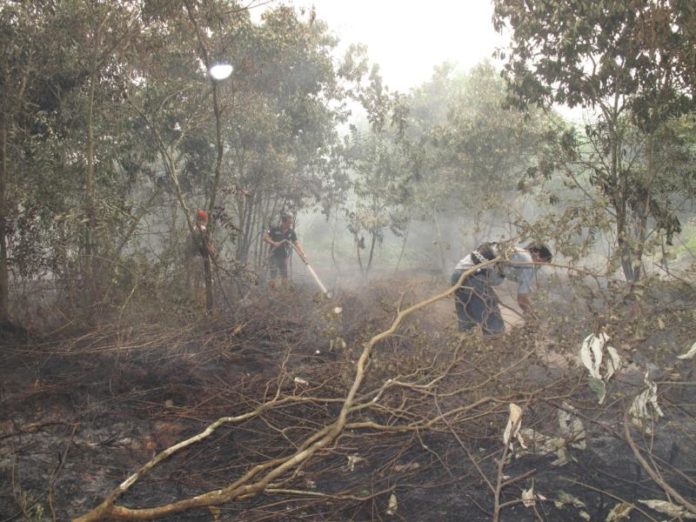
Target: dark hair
[488,250]
[284,216]
[541,250]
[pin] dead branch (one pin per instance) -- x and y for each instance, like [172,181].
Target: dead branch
[654,474]
[243,487]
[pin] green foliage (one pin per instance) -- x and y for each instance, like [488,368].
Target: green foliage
[632,64]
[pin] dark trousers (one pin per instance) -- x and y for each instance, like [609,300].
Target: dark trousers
[477,303]
[279,264]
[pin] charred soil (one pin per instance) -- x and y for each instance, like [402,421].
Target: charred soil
[80,413]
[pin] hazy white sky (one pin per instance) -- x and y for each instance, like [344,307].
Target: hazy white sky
[408,38]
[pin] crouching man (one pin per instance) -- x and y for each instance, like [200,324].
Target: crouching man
[475,300]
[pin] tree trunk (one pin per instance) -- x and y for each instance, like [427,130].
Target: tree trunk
[89,269]
[4,272]
[403,248]
[373,241]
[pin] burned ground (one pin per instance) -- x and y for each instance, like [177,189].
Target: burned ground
[82,411]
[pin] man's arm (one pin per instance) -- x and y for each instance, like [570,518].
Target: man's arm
[267,239]
[300,250]
[526,277]
[526,306]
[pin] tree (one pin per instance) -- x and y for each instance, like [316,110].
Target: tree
[16,69]
[629,61]
[470,150]
[379,165]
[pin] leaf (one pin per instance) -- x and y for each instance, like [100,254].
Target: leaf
[512,430]
[354,460]
[690,354]
[591,353]
[591,356]
[619,512]
[528,497]
[393,505]
[669,509]
[564,498]
[572,428]
[613,363]
[645,406]
[563,457]
[599,389]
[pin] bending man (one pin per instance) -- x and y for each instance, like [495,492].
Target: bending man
[476,302]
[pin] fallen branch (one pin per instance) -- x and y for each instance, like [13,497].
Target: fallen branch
[669,490]
[273,469]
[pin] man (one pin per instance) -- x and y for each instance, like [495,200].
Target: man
[281,238]
[476,302]
[202,241]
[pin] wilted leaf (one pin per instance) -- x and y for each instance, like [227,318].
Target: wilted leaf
[563,457]
[670,509]
[564,498]
[572,428]
[354,460]
[645,406]
[592,356]
[528,498]
[599,389]
[512,430]
[591,353]
[406,467]
[393,505]
[613,363]
[690,354]
[619,512]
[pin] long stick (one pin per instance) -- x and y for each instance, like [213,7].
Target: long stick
[311,271]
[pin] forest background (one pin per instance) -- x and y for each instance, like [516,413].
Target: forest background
[113,134]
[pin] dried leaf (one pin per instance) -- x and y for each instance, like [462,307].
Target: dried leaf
[619,512]
[354,460]
[514,424]
[393,505]
[613,363]
[564,498]
[528,497]
[572,428]
[563,457]
[599,389]
[299,380]
[591,353]
[398,468]
[672,510]
[690,354]
[592,356]
[645,407]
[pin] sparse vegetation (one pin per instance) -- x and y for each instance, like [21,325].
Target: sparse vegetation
[142,379]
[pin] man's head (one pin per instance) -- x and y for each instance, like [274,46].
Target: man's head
[540,252]
[286,219]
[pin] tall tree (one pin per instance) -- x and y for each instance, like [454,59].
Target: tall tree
[626,60]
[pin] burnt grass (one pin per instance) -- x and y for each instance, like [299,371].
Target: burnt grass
[81,411]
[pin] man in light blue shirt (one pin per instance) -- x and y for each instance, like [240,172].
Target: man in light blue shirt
[476,302]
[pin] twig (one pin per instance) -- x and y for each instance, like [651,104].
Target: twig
[669,490]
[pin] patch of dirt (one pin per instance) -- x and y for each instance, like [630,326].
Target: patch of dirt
[82,413]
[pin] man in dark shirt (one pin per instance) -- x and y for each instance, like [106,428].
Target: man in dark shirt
[281,238]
